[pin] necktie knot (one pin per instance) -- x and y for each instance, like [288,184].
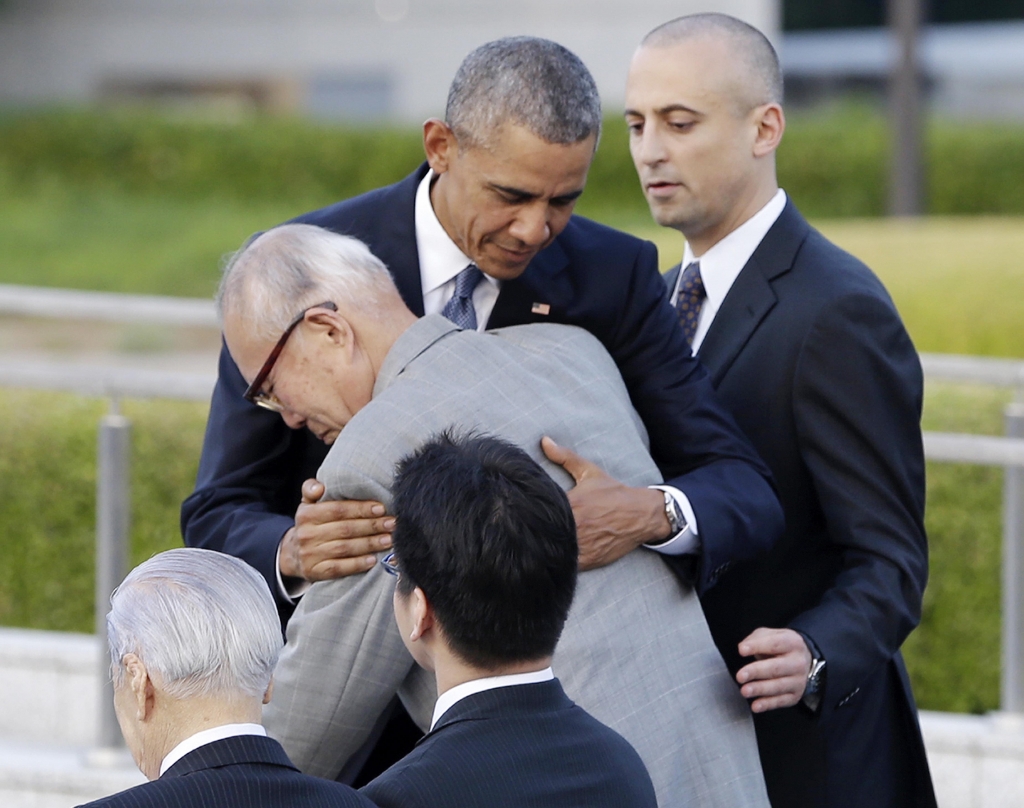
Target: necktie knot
[460,308]
[467,281]
[690,299]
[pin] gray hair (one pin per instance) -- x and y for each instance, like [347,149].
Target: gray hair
[752,47]
[527,81]
[203,623]
[294,266]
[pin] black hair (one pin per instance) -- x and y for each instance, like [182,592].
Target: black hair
[490,539]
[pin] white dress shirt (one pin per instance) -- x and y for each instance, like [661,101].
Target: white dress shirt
[441,260]
[721,265]
[206,736]
[451,697]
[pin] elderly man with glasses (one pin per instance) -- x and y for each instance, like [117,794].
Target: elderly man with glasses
[375,382]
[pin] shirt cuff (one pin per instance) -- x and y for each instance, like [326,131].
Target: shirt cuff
[295,588]
[686,540]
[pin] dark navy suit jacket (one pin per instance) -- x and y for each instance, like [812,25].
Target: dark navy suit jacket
[591,276]
[524,746]
[809,354]
[248,771]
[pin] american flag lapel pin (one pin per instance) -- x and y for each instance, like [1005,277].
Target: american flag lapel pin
[540,308]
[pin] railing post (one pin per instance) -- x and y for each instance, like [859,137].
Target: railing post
[113,502]
[1012,696]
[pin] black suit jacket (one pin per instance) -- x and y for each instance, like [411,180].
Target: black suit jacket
[591,276]
[247,771]
[525,746]
[809,354]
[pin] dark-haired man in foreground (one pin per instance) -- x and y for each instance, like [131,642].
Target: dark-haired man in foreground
[485,554]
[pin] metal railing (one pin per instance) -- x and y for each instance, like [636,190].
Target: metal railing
[113,493]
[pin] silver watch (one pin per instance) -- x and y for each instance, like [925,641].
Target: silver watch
[676,520]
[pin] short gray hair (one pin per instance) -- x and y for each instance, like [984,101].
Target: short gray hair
[527,81]
[203,623]
[294,266]
[753,48]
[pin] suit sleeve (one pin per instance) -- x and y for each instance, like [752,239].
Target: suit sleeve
[249,479]
[694,440]
[857,401]
[344,660]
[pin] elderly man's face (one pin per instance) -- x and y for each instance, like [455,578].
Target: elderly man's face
[322,377]
[691,133]
[504,201]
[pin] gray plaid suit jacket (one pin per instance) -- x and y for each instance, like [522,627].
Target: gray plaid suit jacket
[636,652]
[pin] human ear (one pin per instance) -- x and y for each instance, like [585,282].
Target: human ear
[422,614]
[270,692]
[771,123]
[439,144]
[141,686]
[331,324]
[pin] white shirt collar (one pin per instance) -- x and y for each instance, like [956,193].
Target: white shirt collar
[206,736]
[451,697]
[722,264]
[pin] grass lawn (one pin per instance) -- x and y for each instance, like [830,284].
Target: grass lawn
[958,282]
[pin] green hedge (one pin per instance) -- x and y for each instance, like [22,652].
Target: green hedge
[48,484]
[832,163]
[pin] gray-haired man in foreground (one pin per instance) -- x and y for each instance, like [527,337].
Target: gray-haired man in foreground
[194,639]
[315,323]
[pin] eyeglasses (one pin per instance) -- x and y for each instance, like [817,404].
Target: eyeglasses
[390,564]
[253,393]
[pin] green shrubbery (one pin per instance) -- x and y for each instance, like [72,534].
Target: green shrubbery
[833,163]
[140,203]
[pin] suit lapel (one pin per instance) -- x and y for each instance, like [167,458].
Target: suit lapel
[670,278]
[396,243]
[751,296]
[514,305]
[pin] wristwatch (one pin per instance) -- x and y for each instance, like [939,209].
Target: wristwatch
[815,680]
[676,520]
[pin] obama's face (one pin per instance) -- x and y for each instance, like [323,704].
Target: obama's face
[505,199]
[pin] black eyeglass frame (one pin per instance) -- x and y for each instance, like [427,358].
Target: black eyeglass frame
[390,565]
[253,393]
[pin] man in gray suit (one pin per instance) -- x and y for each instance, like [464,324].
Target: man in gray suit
[315,324]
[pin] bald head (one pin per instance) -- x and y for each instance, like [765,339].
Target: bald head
[752,72]
[704,119]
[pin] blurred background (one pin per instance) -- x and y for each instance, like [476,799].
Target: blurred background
[142,140]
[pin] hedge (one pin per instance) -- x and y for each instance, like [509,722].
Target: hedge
[833,163]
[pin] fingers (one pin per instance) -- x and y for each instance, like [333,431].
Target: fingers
[778,676]
[340,511]
[774,668]
[312,490]
[771,642]
[334,539]
[577,466]
[764,705]
[332,568]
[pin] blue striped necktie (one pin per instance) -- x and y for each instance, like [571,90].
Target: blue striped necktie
[690,299]
[460,308]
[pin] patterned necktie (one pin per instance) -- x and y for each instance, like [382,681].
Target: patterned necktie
[460,308]
[691,298]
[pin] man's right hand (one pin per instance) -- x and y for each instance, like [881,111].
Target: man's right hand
[333,539]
